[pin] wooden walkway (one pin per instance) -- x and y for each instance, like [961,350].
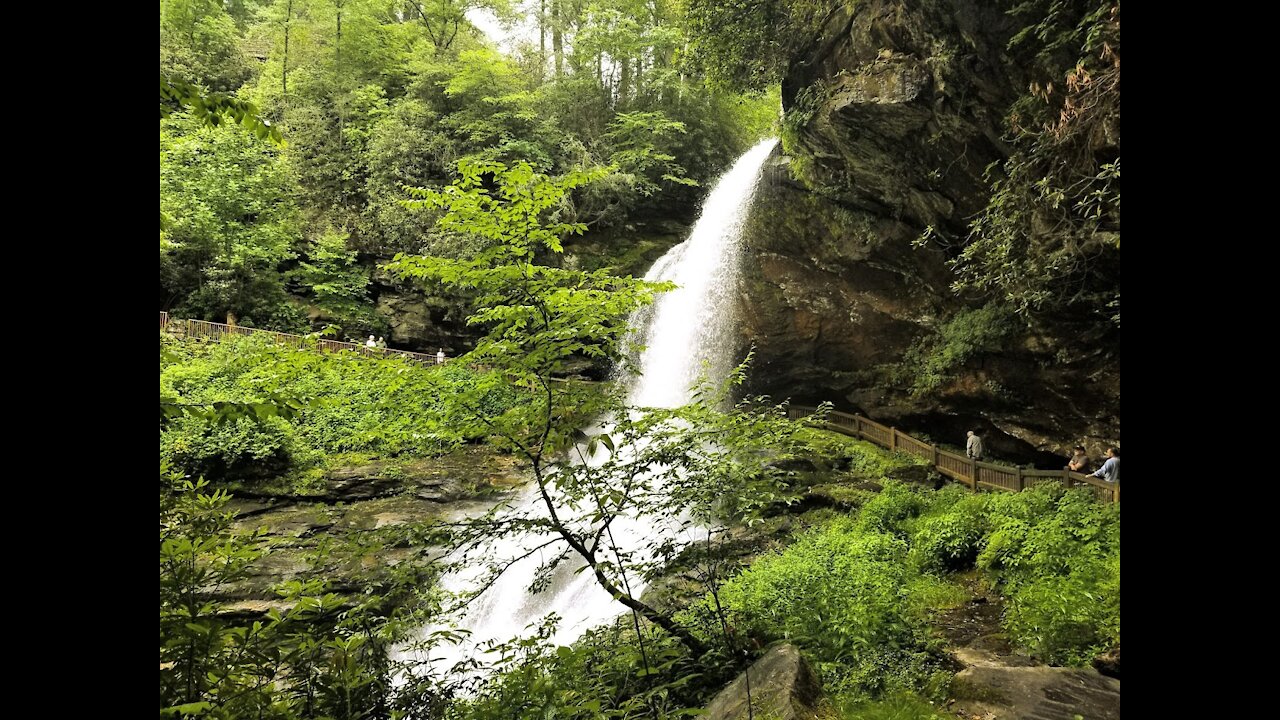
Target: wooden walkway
[974,474]
[216,331]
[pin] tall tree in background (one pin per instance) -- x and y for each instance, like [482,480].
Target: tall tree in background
[199,43]
[374,94]
[233,223]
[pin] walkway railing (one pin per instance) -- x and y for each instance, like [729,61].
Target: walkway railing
[202,328]
[960,468]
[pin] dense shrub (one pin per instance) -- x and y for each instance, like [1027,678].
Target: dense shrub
[1068,619]
[605,673]
[239,448]
[1056,554]
[951,540]
[856,593]
[888,510]
[384,406]
[845,594]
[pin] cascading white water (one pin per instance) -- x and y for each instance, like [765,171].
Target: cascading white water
[694,324]
[684,331]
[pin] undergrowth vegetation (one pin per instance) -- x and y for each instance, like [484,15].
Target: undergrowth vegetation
[858,592]
[353,404]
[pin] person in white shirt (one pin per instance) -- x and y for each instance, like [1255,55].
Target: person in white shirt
[1110,470]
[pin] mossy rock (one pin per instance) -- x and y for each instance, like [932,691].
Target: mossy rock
[845,496]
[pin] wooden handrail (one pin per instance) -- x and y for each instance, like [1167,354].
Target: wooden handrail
[204,328]
[974,474]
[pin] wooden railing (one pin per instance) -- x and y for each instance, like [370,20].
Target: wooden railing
[202,328]
[972,473]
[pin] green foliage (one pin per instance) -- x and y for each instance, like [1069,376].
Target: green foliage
[386,406]
[1069,619]
[537,316]
[374,95]
[337,284]
[316,655]
[607,673]
[899,706]
[1049,237]
[232,225]
[212,109]
[199,43]
[859,457]
[895,504]
[969,334]
[950,540]
[1056,555]
[748,44]
[857,592]
[638,139]
[1060,569]
[843,592]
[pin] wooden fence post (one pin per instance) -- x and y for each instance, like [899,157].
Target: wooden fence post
[1066,478]
[893,438]
[1021,481]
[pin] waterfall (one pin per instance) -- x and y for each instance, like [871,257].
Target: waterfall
[695,323]
[683,331]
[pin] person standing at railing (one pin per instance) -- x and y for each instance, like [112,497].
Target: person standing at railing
[973,446]
[381,344]
[1110,470]
[440,357]
[1079,461]
[371,343]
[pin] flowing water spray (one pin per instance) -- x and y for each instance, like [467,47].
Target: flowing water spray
[683,332]
[695,323]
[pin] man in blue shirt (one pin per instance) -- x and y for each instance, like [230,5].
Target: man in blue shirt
[1110,470]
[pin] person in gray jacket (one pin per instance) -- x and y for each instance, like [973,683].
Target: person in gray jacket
[973,446]
[1110,470]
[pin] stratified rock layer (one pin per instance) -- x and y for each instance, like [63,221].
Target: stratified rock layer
[895,111]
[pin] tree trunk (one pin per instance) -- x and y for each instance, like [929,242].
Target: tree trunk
[542,38]
[557,34]
[284,72]
[624,82]
[337,71]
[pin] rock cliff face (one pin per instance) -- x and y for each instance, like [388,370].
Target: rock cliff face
[893,114]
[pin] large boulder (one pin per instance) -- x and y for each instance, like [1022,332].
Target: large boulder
[1001,683]
[783,687]
[1038,693]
